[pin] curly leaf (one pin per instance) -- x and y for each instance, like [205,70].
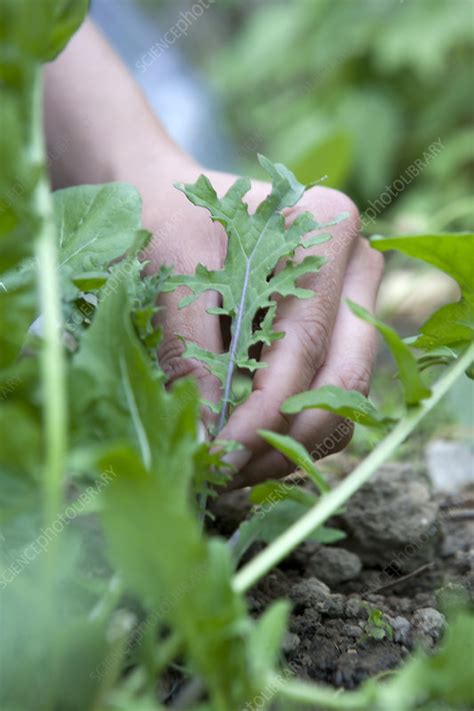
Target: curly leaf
[247,282]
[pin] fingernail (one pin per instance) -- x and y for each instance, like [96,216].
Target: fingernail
[238,459]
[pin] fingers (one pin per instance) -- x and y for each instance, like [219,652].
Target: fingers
[183,250]
[293,361]
[192,324]
[196,240]
[348,365]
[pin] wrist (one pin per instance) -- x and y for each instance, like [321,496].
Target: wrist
[151,161]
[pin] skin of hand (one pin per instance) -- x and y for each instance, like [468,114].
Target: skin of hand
[100,129]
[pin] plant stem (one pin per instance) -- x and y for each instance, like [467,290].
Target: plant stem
[234,344]
[331,502]
[52,357]
[235,340]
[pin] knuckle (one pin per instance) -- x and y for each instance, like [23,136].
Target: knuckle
[176,366]
[314,337]
[355,375]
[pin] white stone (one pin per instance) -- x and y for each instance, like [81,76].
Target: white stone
[450,465]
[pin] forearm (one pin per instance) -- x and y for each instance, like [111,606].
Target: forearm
[98,125]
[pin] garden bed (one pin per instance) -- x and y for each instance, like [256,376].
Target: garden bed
[336,632]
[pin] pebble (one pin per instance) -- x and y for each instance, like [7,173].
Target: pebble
[450,465]
[427,625]
[356,609]
[311,592]
[393,519]
[352,630]
[333,565]
[401,629]
[336,603]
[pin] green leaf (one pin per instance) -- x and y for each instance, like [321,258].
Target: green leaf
[90,281]
[247,282]
[267,637]
[271,491]
[346,403]
[156,541]
[21,450]
[40,30]
[450,252]
[272,519]
[452,324]
[18,309]
[96,224]
[116,391]
[62,613]
[297,454]
[413,386]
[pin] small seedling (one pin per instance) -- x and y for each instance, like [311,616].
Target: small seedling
[377,626]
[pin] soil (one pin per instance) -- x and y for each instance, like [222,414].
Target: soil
[423,551]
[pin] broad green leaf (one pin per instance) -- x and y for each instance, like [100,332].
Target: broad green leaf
[61,613]
[450,252]
[247,282]
[297,454]
[270,491]
[17,311]
[20,451]
[413,385]
[115,391]
[450,325]
[271,519]
[155,539]
[96,224]
[346,403]
[40,30]
[90,281]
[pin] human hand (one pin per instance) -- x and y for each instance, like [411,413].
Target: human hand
[324,342]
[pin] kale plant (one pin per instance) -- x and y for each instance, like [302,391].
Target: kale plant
[247,283]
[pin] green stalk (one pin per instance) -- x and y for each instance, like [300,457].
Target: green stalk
[331,502]
[52,356]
